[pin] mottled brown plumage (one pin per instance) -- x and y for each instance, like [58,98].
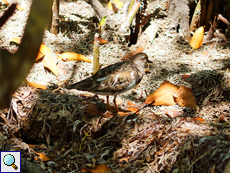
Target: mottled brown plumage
[116,78]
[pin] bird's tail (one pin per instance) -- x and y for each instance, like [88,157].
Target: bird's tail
[83,85]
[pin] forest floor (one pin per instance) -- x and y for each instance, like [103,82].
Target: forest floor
[74,129]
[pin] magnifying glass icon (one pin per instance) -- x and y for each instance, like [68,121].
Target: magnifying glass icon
[9,160]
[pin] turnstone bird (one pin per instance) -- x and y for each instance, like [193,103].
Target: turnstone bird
[115,79]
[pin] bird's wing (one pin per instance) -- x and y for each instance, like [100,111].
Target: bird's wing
[123,79]
[91,83]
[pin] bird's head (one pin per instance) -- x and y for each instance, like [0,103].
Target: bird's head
[141,59]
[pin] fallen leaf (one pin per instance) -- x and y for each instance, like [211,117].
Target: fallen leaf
[50,64]
[6,2]
[72,56]
[163,95]
[185,76]
[43,157]
[35,85]
[102,168]
[101,41]
[123,113]
[91,110]
[223,119]
[118,3]
[44,49]
[197,38]
[124,160]
[130,108]
[31,145]
[20,8]
[184,97]
[173,113]
[198,119]
[39,56]
[16,40]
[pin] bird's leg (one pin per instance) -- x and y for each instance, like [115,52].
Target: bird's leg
[107,100]
[114,101]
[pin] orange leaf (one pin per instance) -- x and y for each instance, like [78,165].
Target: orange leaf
[132,109]
[15,40]
[123,113]
[102,168]
[73,56]
[198,119]
[6,2]
[184,97]
[31,145]
[133,53]
[125,159]
[39,56]
[185,76]
[35,85]
[43,157]
[101,41]
[44,50]
[197,38]
[163,95]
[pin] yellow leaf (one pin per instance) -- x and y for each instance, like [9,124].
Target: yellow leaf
[197,38]
[44,49]
[15,40]
[35,85]
[118,3]
[73,56]
[20,8]
[43,157]
[50,64]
